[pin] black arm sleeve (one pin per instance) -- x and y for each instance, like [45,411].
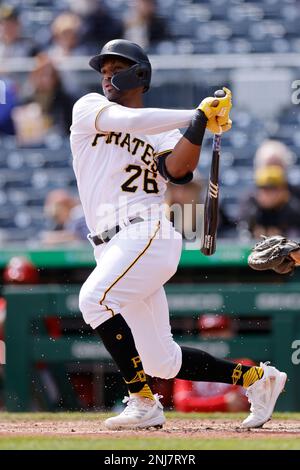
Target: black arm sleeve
[162,169]
[195,131]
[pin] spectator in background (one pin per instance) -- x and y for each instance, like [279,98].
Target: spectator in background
[66,219]
[274,152]
[98,26]
[12,44]
[11,100]
[143,25]
[66,37]
[47,106]
[47,89]
[272,209]
[211,397]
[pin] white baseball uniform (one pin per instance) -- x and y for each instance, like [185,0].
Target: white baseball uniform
[118,180]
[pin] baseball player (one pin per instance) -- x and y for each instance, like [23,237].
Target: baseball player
[123,156]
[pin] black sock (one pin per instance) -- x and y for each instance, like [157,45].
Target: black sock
[200,366]
[118,340]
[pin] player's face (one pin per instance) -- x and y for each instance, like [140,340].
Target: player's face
[110,68]
[272,197]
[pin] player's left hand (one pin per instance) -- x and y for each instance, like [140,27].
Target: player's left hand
[217,107]
[218,125]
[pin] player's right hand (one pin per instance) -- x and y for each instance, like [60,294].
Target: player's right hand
[217,112]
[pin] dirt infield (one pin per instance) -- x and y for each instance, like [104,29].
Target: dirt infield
[187,428]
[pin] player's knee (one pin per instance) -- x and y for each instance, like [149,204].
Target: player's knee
[162,371]
[89,304]
[167,367]
[93,311]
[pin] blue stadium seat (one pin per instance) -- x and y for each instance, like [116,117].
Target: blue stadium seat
[6,218]
[259,21]
[50,178]
[198,27]
[17,197]
[3,159]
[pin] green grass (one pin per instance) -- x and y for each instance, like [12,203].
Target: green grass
[151,442]
[4,416]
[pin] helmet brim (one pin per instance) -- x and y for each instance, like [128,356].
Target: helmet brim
[97,61]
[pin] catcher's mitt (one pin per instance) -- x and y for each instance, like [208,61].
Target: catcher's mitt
[273,253]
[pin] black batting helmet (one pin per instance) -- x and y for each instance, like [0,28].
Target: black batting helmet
[136,76]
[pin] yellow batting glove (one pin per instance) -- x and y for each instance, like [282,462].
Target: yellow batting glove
[216,126]
[217,111]
[213,107]
[227,126]
[213,126]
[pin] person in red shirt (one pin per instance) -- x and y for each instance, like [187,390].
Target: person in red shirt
[207,396]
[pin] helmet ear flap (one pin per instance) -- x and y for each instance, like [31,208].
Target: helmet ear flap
[144,75]
[139,75]
[142,71]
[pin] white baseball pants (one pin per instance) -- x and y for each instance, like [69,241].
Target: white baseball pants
[128,279]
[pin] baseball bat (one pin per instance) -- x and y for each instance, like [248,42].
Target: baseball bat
[211,207]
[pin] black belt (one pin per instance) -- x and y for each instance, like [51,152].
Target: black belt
[104,237]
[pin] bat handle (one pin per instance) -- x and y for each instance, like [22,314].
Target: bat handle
[217,142]
[220,94]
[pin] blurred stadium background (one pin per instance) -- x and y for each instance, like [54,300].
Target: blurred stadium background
[52,360]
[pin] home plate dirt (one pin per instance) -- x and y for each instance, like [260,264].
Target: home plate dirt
[174,427]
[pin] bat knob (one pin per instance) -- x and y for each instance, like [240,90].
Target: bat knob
[219,94]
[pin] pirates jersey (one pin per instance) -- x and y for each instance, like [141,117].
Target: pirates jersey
[116,172]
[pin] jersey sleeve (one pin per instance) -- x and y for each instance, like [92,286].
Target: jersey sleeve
[167,142]
[86,111]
